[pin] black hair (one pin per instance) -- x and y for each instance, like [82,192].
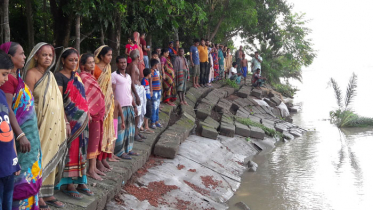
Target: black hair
[154,53]
[153,62]
[69,52]
[119,57]
[195,40]
[158,48]
[202,39]
[171,42]
[181,48]
[13,48]
[103,52]
[228,48]
[258,69]
[234,63]
[256,52]
[84,58]
[164,51]
[146,72]
[5,61]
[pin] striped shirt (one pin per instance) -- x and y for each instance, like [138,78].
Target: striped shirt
[156,83]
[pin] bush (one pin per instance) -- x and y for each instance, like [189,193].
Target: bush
[286,90]
[231,83]
[270,132]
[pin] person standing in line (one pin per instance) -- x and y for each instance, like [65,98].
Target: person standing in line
[145,50]
[211,68]
[54,129]
[244,67]
[256,62]
[77,115]
[169,91]
[157,92]
[182,75]
[194,59]
[140,63]
[123,87]
[96,106]
[214,54]
[149,93]
[9,167]
[228,63]
[238,57]
[203,58]
[221,62]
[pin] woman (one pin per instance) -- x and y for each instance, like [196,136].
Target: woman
[214,55]
[169,90]
[129,47]
[227,62]
[102,73]
[96,107]
[141,64]
[24,124]
[77,116]
[50,116]
[211,69]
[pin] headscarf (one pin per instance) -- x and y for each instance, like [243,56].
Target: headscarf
[31,62]
[5,47]
[141,64]
[59,64]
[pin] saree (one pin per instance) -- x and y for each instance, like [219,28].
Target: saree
[50,121]
[28,183]
[96,107]
[169,91]
[211,69]
[76,111]
[104,81]
[126,137]
[228,63]
[216,65]
[181,73]
[141,63]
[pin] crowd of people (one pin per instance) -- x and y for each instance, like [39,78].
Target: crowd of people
[63,120]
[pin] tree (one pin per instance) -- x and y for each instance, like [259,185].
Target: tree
[6,20]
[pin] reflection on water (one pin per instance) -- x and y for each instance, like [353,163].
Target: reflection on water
[324,169]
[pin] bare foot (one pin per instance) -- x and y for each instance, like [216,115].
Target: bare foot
[113,159]
[101,167]
[99,172]
[106,164]
[94,176]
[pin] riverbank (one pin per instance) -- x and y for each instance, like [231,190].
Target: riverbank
[193,173]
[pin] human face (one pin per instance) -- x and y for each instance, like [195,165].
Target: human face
[181,52]
[159,51]
[70,62]
[155,56]
[143,36]
[203,42]
[89,65]
[228,50]
[130,41]
[171,45]
[44,57]
[240,47]
[4,75]
[122,64]
[108,56]
[177,44]
[196,44]
[166,54]
[19,58]
[208,43]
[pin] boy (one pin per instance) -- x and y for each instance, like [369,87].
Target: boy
[149,93]
[117,112]
[182,75]
[244,67]
[194,60]
[9,168]
[155,86]
[233,75]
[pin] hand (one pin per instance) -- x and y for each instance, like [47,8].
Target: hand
[123,126]
[138,102]
[192,64]
[151,93]
[17,173]
[68,130]
[135,109]
[24,144]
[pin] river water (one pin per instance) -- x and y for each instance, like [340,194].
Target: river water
[326,168]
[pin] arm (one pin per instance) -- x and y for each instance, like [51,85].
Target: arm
[121,116]
[138,102]
[24,143]
[127,52]
[113,86]
[191,58]
[151,86]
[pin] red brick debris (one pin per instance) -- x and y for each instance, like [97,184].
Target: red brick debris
[209,181]
[179,166]
[197,189]
[149,164]
[192,170]
[153,193]
[218,164]
[240,163]
[182,205]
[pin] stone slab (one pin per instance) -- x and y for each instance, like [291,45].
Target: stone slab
[242,130]
[203,110]
[209,132]
[223,105]
[269,102]
[256,132]
[244,92]
[168,144]
[227,129]
[255,119]
[227,119]
[276,100]
[256,93]
[211,122]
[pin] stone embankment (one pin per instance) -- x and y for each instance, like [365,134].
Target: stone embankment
[211,114]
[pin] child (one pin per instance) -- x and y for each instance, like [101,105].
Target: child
[117,112]
[182,73]
[157,92]
[149,93]
[9,167]
[244,67]
[233,75]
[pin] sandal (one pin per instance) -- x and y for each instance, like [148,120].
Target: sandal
[85,191]
[158,125]
[138,138]
[126,157]
[141,136]
[70,194]
[44,207]
[133,153]
[54,203]
[148,131]
[152,126]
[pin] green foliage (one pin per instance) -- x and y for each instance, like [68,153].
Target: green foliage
[230,83]
[270,132]
[285,89]
[248,139]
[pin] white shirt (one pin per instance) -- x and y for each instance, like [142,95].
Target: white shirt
[256,63]
[232,70]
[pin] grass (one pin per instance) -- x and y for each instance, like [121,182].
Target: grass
[270,132]
[231,83]
[285,89]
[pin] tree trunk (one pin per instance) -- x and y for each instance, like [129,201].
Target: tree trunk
[216,28]
[77,33]
[6,21]
[45,20]
[62,23]
[102,38]
[30,25]
[176,34]
[118,29]
[1,21]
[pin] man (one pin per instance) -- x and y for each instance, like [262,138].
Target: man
[244,67]
[134,72]
[203,58]
[182,74]
[256,62]
[233,75]
[158,50]
[194,60]
[257,80]
[221,61]
[144,49]
[238,57]
[123,87]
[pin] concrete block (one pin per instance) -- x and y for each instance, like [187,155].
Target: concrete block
[269,102]
[256,132]
[293,110]
[256,93]
[227,129]
[229,90]
[242,113]
[276,112]
[223,105]
[255,119]
[244,92]
[209,132]
[242,130]
[227,119]
[168,144]
[252,101]
[276,100]
[203,110]
[211,122]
